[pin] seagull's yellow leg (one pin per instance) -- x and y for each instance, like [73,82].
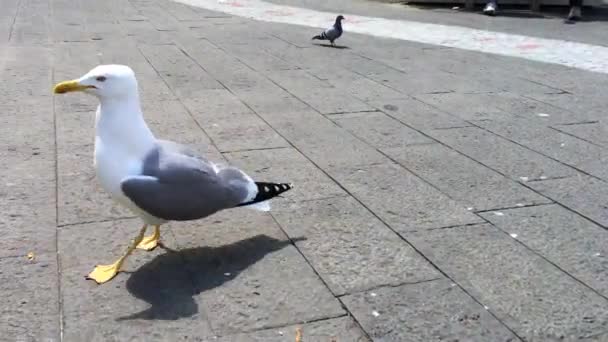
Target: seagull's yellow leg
[103,273]
[150,242]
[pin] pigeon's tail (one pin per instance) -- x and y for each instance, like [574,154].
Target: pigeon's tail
[267,191]
[320,36]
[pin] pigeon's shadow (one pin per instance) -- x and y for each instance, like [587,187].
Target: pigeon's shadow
[334,46]
[170,281]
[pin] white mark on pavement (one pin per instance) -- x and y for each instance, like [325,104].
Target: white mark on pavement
[543,115]
[555,51]
[375,313]
[514,236]
[524,179]
[498,213]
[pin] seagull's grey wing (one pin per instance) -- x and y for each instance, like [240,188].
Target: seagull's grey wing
[175,186]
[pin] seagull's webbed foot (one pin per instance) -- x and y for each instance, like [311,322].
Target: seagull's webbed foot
[150,242]
[105,273]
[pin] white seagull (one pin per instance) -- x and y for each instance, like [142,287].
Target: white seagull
[158,180]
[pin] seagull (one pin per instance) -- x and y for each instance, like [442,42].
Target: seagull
[159,180]
[333,32]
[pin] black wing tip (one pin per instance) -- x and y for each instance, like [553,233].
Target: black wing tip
[267,190]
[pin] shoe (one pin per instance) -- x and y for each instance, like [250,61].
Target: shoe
[490,9]
[575,13]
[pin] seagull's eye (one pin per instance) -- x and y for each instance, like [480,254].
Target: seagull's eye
[101,78]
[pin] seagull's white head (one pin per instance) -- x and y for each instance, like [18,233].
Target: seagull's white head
[104,81]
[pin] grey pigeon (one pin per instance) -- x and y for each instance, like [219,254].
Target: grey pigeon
[333,32]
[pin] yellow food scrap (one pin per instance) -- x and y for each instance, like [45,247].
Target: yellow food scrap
[298,334]
[30,256]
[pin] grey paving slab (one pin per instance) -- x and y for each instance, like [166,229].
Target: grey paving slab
[215,104]
[567,149]
[25,230]
[27,189]
[156,15]
[179,71]
[502,155]
[275,103]
[100,24]
[534,111]
[573,243]
[140,29]
[350,248]
[317,93]
[336,329]
[10,8]
[528,294]
[182,12]
[402,200]
[418,114]
[596,132]
[491,77]
[463,179]
[435,310]
[287,165]
[582,194]
[68,23]
[31,25]
[585,105]
[30,305]
[380,130]
[358,86]
[257,60]
[151,300]
[466,106]
[249,274]
[242,132]
[327,145]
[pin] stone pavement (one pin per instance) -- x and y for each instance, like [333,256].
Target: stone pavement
[441,195]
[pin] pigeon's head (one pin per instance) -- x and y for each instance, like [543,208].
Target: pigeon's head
[104,82]
[339,18]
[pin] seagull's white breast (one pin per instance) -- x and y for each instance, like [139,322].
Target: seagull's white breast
[112,165]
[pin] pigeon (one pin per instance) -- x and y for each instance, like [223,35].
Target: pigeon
[333,32]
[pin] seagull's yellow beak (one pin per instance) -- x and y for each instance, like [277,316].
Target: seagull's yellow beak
[70,86]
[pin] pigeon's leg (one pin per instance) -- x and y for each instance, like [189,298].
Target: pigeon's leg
[104,273]
[150,242]
[332,43]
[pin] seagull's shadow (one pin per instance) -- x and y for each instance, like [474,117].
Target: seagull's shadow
[334,46]
[170,281]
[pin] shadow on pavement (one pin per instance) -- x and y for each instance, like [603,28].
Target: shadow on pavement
[333,46]
[170,281]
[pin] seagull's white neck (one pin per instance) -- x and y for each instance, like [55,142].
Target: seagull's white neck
[120,123]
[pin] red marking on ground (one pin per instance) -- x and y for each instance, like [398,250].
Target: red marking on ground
[528,46]
[235,4]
